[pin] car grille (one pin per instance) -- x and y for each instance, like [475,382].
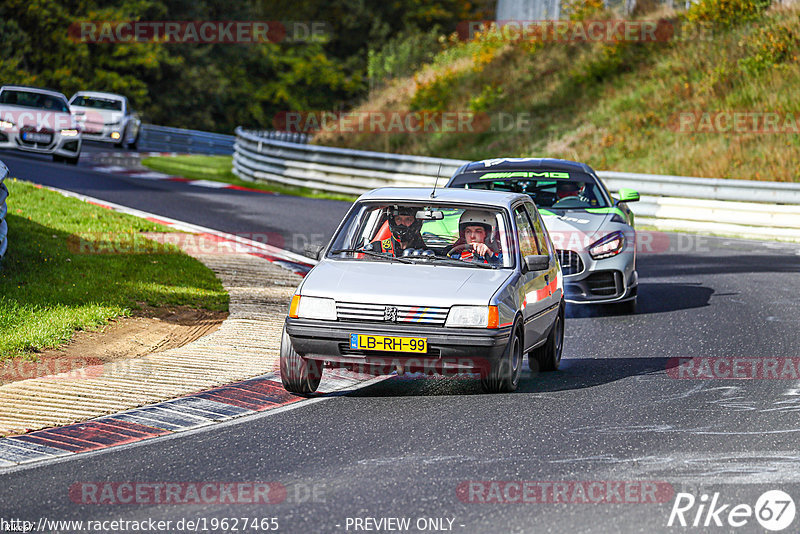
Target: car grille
[376,313]
[571,262]
[604,283]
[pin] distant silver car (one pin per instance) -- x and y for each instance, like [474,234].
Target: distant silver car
[106,117]
[38,120]
[593,232]
[407,283]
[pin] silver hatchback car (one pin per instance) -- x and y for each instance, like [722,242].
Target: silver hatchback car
[435,282]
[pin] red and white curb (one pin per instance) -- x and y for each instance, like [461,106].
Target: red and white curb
[119,170]
[177,415]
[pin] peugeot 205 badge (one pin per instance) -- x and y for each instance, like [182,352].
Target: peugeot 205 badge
[390,314]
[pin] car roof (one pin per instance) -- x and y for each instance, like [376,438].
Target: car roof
[423,194]
[524,164]
[32,90]
[99,94]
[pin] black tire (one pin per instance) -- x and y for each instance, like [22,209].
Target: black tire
[133,145]
[299,375]
[57,158]
[548,356]
[502,376]
[72,161]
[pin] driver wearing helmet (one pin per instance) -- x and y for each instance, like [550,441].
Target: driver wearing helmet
[405,228]
[569,189]
[475,230]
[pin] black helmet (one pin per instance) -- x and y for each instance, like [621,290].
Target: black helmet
[400,232]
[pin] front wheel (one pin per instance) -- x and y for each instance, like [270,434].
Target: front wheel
[299,375]
[548,356]
[502,376]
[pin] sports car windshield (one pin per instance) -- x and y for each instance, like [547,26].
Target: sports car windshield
[557,190]
[98,103]
[425,234]
[34,100]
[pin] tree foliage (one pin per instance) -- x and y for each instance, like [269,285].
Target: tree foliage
[211,86]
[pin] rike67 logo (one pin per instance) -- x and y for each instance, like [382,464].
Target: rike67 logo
[774,510]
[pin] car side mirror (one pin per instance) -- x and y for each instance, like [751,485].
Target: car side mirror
[537,262]
[314,250]
[628,195]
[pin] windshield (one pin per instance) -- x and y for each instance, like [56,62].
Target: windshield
[431,233]
[34,100]
[559,190]
[97,103]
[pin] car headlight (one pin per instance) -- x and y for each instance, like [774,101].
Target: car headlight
[69,133]
[6,125]
[312,308]
[608,246]
[472,317]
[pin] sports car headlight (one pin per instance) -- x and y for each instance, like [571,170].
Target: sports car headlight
[313,308]
[69,133]
[5,125]
[472,317]
[608,246]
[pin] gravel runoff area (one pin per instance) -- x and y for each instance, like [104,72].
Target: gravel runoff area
[246,345]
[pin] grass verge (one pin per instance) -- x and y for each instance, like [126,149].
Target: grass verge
[50,286]
[218,168]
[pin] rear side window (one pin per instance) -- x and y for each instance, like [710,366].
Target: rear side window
[527,235]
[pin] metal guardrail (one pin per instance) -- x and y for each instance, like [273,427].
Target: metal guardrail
[3,210]
[165,139]
[739,207]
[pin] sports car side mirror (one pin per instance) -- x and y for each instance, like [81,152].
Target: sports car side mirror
[537,262]
[628,195]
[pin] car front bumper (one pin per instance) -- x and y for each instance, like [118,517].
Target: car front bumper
[59,145]
[590,281]
[453,347]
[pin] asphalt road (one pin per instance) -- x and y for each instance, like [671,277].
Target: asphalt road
[615,414]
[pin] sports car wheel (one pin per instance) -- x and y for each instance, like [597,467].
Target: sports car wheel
[299,375]
[548,356]
[502,376]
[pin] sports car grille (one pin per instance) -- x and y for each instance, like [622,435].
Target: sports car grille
[377,313]
[571,262]
[605,283]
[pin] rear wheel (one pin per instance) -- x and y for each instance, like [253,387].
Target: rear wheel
[548,356]
[502,376]
[299,375]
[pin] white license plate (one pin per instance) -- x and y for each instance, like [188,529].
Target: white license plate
[37,137]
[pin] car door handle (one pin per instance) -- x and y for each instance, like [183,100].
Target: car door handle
[547,279]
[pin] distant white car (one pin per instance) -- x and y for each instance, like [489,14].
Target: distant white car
[106,117]
[38,120]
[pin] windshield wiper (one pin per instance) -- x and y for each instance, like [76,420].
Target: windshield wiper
[453,261]
[371,253]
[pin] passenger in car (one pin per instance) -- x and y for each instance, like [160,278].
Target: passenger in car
[405,232]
